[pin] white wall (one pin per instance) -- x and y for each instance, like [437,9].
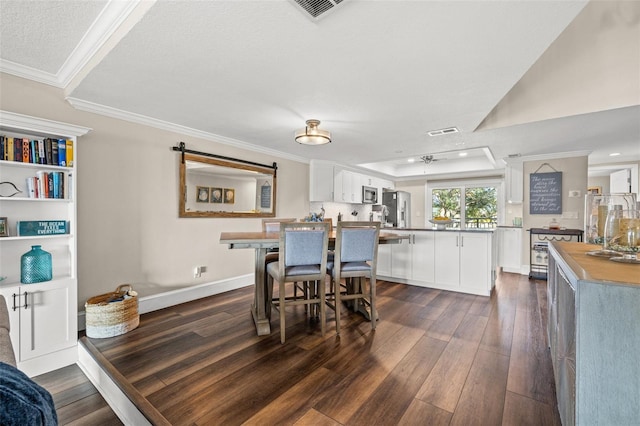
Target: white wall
[128,225]
[417,189]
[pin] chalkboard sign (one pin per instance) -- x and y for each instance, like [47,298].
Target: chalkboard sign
[545,193]
[265,196]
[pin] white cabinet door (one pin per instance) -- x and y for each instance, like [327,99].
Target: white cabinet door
[475,267]
[422,257]
[384,260]
[356,187]
[47,324]
[401,255]
[510,249]
[447,258]
[320,181]
[43,320]
[514,182]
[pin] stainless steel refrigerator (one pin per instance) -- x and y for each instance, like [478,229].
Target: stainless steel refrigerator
[398,205]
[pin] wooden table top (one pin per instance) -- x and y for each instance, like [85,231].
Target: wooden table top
[274,237]
[592,268]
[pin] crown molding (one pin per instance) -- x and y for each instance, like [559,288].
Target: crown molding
[556,155]
[105,25]
[29,73]
[176,128]
[12,120]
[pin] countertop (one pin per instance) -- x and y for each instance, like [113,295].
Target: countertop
[437,230]
[591,268]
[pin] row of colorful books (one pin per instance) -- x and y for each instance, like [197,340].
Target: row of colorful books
[54,152]
[30,228]
[50,185]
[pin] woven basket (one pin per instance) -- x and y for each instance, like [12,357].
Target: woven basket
[112,314]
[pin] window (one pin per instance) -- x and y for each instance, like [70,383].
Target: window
[471,205]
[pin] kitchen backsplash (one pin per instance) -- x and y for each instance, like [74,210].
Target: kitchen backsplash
[331,210]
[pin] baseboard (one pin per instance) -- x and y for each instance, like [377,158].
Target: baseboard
[49,362]
[117,400]
[163,300]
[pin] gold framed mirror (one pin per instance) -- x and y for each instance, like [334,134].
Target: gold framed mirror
[213,187]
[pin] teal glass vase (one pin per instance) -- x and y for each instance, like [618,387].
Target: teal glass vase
[35,266]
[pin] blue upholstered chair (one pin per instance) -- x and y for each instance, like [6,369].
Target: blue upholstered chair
[302,258]
[356,254]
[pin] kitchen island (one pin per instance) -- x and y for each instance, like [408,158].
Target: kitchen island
[594,336]
[449,259]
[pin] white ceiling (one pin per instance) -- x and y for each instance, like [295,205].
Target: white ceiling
[378,74]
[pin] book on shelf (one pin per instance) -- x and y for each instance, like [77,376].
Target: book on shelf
[69,153]
[54,152]
[42,158]
[48,185]
[47,151]
[62,152]
[31,228]
[25,150]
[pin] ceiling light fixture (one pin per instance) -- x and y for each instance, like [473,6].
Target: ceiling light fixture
[311,135]
[614,154]
[462,154]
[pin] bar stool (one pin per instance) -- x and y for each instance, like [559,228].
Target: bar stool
[356,254]
[303,258]
[272,224]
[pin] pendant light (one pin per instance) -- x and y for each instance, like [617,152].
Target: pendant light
[311,135]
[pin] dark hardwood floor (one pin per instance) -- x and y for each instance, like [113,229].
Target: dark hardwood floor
[436,357]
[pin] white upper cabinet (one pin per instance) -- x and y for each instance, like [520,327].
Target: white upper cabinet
[514,181]
[331,182]
[320,181]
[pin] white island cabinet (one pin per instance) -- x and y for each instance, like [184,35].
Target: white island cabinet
[43,316]
[462,261]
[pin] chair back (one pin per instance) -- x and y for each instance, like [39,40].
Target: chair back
[357,242]
[272,224]
[303,243]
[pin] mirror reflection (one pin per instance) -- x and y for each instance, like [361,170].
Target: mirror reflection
[218,188]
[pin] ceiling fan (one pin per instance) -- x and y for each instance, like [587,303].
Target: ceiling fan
[428,159]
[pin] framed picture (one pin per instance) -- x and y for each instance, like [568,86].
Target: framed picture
[202,194]
[229,196]
[216,195]
[4,228]
[596,190]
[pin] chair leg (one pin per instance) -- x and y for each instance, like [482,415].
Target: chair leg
[372,301]
[337,302]
[268,291]
[282,313]
[323,308]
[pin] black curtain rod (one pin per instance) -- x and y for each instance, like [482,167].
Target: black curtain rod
[181,147]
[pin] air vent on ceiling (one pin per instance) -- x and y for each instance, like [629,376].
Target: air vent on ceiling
[315,8]
[443,131]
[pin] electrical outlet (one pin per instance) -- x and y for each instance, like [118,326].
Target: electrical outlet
[569,215]
[198,271]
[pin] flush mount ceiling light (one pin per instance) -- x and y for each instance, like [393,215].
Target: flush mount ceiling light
[311,135]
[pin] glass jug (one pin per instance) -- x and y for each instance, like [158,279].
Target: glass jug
[622,233]
[595,213]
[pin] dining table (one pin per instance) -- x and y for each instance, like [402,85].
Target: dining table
[262,243]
